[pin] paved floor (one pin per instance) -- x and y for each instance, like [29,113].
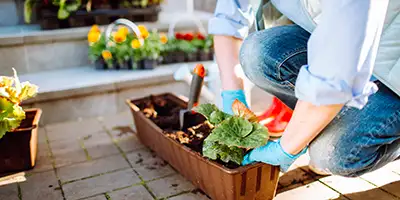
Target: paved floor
[101,158]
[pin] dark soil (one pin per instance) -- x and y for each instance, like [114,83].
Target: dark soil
[165,114]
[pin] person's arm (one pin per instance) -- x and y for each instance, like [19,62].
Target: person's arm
[230,24]
[341,55]
[227,55]
[342,52]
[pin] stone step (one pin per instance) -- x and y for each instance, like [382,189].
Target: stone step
[30,50]
[84,92]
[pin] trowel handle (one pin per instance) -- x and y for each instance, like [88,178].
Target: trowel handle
[196,85]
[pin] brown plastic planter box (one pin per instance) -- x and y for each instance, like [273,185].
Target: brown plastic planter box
[253,182]
[19,148]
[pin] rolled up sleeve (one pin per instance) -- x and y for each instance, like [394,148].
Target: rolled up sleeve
[232,18]
[341,53]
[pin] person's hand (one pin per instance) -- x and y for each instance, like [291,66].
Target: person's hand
[229,96]
[272,153]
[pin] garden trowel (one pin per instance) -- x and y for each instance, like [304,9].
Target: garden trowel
[187,117]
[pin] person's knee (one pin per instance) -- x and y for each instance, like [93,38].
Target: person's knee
[255,57]
[336,160]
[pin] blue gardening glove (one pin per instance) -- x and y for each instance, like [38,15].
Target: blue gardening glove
[229,96]
[273,154]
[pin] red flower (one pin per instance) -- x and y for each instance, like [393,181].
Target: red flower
[179,36]
[188,37]
[200,36]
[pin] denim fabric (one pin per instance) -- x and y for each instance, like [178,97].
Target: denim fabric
[356,141]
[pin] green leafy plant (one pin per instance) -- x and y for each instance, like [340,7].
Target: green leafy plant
[65,8]
[12,93]
[232,134]
[152,47]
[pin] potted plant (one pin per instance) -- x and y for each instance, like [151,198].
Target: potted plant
[150,51]
[18,129]
[208,153]
[124,50]
[204,45]
[64,7]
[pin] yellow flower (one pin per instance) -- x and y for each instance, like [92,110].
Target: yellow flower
[95,28]
[119,37]
[93,36]
[106,54]
[135,44]
[123,30]
[144,33]
[163,38]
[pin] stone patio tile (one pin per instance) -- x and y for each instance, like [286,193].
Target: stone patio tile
[293,176]
[117,120]
[91,168]
[135,192]
[394,166]
[148,165]
[169,186]
[383,179]
[356,188]
[67,152]
[9,192]
[42,135]
[129,143]
[190,196]
[393,188]
[70,130]
[41,186]
[43,159]
[99,145]
[315,190]
[99,197]
[100,184]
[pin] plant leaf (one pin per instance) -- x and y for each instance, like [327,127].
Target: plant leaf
[240,110]
[230,131]
[206,109]
[239,132]
[217,117]
[214,151]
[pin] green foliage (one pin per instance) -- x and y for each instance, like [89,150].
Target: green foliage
[151,49]
[213,150]
[232,134]
[65,8]
[96,48]
[12,93]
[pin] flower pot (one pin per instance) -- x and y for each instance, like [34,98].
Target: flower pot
[124,65]
[257,181]
[100,64]
[133,64]
[147,64]
[211,55]
[203,56]
[168,58]
[191,57]
[19,147]
[178,56]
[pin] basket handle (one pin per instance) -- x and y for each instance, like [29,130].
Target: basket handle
[126,23]
[171,28]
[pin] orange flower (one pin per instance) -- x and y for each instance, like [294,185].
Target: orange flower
[95,28]
[119,37]
[144,33]
[123,30]
[135,44]
[106,54]
[163,38]
[93,36]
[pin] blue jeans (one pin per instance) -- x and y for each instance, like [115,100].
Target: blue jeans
[356,141]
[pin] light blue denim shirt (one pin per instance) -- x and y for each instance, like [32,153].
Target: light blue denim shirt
[341,50]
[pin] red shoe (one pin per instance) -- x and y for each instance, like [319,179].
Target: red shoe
[276,117]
